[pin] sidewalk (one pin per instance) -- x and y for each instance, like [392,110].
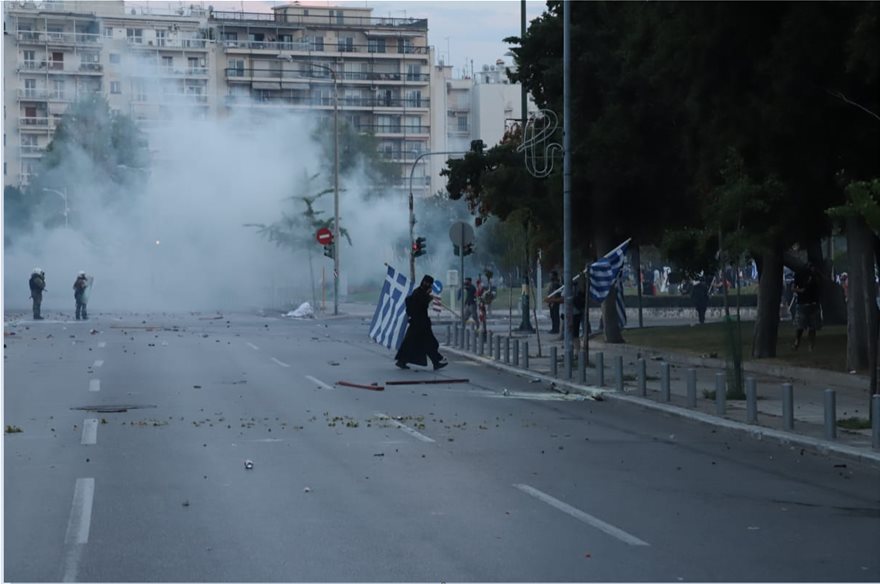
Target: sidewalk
[809,385]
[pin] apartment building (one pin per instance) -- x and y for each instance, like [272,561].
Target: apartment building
[212,63]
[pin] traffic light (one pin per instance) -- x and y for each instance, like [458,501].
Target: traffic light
[328,250]
[418,247]
[468,249]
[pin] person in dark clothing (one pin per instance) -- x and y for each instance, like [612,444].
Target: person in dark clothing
[419,343]
[469,306]
[808,313]
[700,296]
[553,301]
[79,295]
[578,310]
[37,284]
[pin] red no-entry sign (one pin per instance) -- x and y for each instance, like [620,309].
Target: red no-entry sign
[324,236]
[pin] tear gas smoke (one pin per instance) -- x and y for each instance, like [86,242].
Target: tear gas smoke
[181,244]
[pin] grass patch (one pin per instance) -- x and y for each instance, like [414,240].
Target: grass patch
[708,339]
[10,429]
[855,423]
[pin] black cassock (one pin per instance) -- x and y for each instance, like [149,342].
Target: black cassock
[419,343]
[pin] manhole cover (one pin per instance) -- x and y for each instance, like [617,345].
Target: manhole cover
[113,408]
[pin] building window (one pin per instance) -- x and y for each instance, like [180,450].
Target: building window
[405,45]
[376,45]
[114,58]
[462,123]
[413,72]
[345,44]
[30,88]
[160,38]
[30,59]
[236,68]
[167,63]
[58,89]
[317,43]
[115,87]
[135,35]
[108,32]
[229,36]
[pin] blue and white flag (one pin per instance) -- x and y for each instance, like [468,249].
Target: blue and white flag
[389,320]
[607,271]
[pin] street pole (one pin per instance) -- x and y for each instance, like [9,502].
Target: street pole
[566,172]
[412,215]
[336,241]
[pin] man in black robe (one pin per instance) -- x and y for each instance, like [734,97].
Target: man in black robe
[419,343]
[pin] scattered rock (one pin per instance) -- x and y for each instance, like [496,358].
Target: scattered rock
[248,464]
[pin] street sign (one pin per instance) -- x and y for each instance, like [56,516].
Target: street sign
[437,287]
[324,236]
[461,233]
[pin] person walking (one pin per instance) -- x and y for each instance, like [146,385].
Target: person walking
[419,343]
[553,301]
[469,306]
[808,311]
[700,296]
[37,285]
[79,295]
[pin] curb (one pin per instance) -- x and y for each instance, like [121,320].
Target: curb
[785,438]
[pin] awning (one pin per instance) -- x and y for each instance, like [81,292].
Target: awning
[266,85]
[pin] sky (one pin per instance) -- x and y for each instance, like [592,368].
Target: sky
[461,31]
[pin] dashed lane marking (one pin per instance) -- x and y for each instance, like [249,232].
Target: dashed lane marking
[78,525]
[405,428]
[98,363]
[582,516]
[319,382]
[253,346]
[282,363]
[90,431]
[94,385]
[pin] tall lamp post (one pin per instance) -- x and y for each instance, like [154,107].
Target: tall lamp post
[63,195]
[412,215]
[335,175]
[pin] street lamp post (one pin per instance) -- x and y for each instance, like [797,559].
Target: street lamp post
[63,195]
[412,215]
[336,241]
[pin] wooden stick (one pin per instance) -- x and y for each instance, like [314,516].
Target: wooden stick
[361,386]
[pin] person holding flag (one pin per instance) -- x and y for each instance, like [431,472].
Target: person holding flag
[419,343]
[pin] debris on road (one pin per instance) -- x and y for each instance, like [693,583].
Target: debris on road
[307,490]
[373,387]
[304,310]
[248,464]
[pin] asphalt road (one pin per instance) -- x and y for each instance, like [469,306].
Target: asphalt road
[495,479]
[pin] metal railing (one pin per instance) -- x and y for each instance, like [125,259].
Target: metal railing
[318,20]
[305,46]
[58,38]
[140,43]
[263,73]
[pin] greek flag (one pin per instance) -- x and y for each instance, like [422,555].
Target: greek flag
[607,271]
[389,320]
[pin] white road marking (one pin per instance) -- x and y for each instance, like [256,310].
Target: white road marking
[585,517]
[253,346]
[282,363]
[94,385]
[319,382]
[102,344]
[404,427]
[90,431]
[78,527]
[98,363]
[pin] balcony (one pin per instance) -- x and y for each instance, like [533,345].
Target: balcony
[59,38]
[402,129]
[32,150]
[33,94]
[34,123]
[311,20]
[234,73]
[304,46]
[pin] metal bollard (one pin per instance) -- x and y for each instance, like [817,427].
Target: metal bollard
[498,348]
[618,373]
[525,355]
[720,393]
[567,362]
[516,352]
[751,400]
[448,335]
[830,414]
[692,388]
[490,340]
[582,366]
[643,378]
[875,421]
[455,335]
[553,368]
[480,344]
[467,339]
[600,369]
[787,406]
[664,382]
[507,349]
